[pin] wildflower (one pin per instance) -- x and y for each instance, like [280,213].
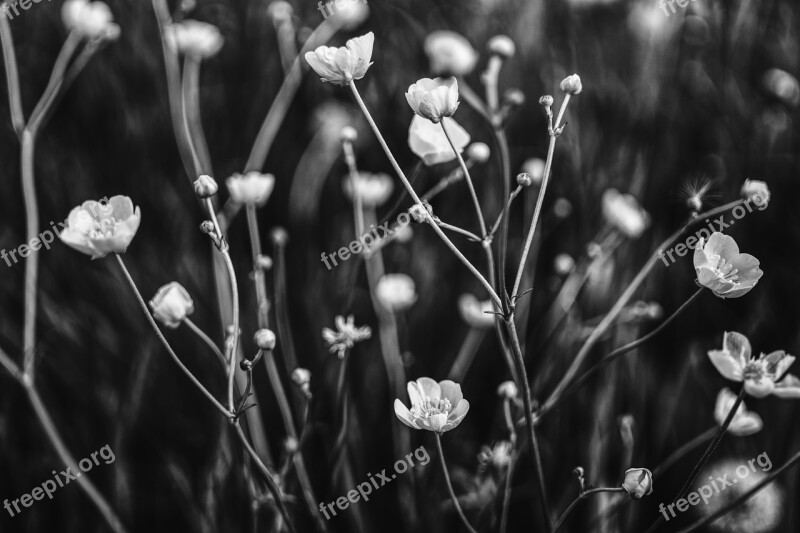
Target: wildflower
[477,314]
[373,189]
[429,143]
[345,336]
[507,389]
[756,191]
[265,339]
[762,375]
[450,53]
[344,64]
[478,152]
[624,213]
[433,99]
[171,304]
[743,423]
[205,186]
[498,456]
[721,268]
[98,229]
[502,46]
[638,482]
[252,188]
[195,39]
[437,407]
[396,292]
[572,85]
[89,19]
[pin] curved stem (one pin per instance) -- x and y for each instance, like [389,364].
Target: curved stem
[456,229]
[32,261]
[505,210]
[12,76]
[207,340]
[191,110]
[467,178]
[282,309]
[577,500]
[510,473]
[683,450]
[502,247]
[617,353]
[450,486]
[55,82]
[152,322]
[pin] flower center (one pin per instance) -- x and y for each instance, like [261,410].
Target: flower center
[753,371]
[725,270]
[428,408]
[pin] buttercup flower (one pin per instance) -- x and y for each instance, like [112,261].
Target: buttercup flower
[428,142]
[172,304]
[345,336]
[437,407]
[396,292]
[498,456]
[721,268]
[434,99]
[743,423]
[476,313]
[478,152]
[89,19]
[756,191]
[98,229]
[374,189]
[762,375]
[345,64]
[450,53]
[638,482]
[253,188]
[572,85]
[624,213]
[194,38]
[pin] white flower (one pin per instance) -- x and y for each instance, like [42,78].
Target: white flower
[624,213]
[428,142]
[373,189]
[345,336]
[98,229]
[638,482]
[194,38]
[171,304]
[476,313]
[450,53]
[253,188]
[89,19]
[572,85]
[433,99]
[345,64]
[756,191]
[498,456]
[436,407]
[743,423]
[396,292]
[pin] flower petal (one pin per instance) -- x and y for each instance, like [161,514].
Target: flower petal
[452,391]
[729,367]
[721,245]
[404,414]
[778,363]
[738,345]
[747,424]
[429,389]
[435,422]
[788,388]
[760,388]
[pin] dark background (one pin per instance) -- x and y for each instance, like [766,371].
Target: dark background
[668,102]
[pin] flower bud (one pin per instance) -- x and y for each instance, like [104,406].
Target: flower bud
[279,236]
[433,99]
[546,101]
[450,54]
[563,264]
[301,376]
[524,179]
[291,445]
[349,134]
[264,262]
[265,339]
[572,85]
[638,482]
[280,11]
[507,389]
[756,191]
[562,208]
[514,97]
[502,46]
[171,304]
[478,152]
[535,167]
[205,186]
[207,227]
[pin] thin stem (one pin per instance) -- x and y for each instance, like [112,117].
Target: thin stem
[12,76]
[683,450]
[10,366]
[456,229]
[502,247]
[472,99]
[32,261]
[54,84]
[577,500]
[191,109]
[505,210]
[206,339]
[467,178]
[617,353]
[258,272]
[705,457]
[416,198]
[450,486]
[625,297]
[744,497]
[187,129]
[510,473]
[282,308]
[152,322]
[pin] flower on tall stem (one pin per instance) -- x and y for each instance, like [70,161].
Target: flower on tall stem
[98,229]
[437,407]
[92,20]
[171,304]
[374,189]
[450,53]
[744,422]
[195,39]
[572,85]
[497,456]
[345,336]
[433,99]
[763,375]
[429,143]
[721,268]
[253,188]
[396,292]
[344,64]
[756,191]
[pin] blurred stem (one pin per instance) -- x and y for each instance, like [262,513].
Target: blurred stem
[55,82]
[490,82]
[512,432]
[416,198]
[12,77]
[720,432]
[258,272]
[744,497]
[282,308]
[468,179]
[622,350]
[466,354]
[624,298]
[191,109]
[352,168]
[206,339]
[683,450]
[472,99]
[32,261]
[575,502]
[152,322]
[450,485]
[502,247]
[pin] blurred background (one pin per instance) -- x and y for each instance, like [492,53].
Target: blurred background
[674,105]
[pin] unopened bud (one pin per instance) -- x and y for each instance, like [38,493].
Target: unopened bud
[205,186]
[349,134]
[420,213]
[572,84]
[514,97]
[478,152]
[507,389]
[207,227]
[265,339]
[279,236]
[524,179]
[291,445]
[264,262]
[501,45]
[546,101]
